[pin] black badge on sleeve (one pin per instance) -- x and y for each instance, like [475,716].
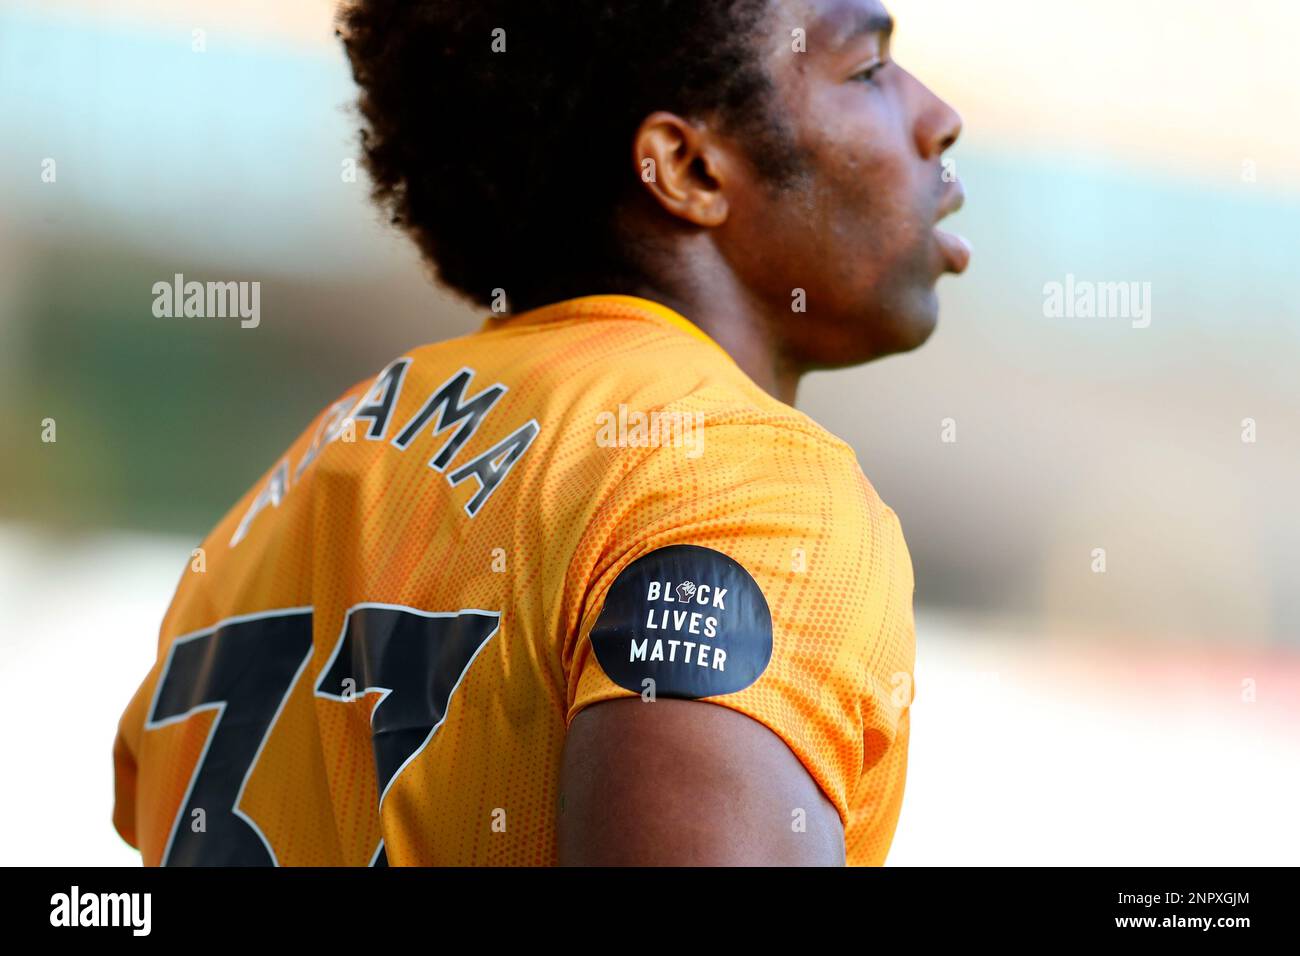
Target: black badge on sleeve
[690,618]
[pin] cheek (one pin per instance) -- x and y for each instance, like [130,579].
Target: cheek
[868,195]
[861,155]
[850,229]
[865,239]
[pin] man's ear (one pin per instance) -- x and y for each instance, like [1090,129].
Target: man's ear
[682,167]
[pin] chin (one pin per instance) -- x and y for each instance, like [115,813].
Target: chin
[909,328]
[920,330]
[874,330]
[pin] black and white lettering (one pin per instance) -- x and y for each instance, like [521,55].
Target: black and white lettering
[690,618]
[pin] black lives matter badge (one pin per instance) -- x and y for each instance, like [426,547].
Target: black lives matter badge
[689,618]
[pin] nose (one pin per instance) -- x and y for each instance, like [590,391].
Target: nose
[938,127]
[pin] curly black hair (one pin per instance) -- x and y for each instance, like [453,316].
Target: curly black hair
[474,109]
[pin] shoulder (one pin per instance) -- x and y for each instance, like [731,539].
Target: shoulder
[720,448]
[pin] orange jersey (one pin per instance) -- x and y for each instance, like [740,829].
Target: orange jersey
[376,654]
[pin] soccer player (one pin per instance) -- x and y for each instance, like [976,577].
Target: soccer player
[582,586]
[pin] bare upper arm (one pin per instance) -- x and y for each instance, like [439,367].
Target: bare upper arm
[681,783]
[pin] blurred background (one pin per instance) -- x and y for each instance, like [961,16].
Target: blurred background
[1144,714]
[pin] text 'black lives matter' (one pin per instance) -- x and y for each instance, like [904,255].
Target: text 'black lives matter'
[688,618]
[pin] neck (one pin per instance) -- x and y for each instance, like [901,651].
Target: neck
[738,321]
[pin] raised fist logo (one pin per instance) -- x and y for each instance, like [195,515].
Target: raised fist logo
[684,591]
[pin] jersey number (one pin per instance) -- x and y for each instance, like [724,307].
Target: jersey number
[245,668]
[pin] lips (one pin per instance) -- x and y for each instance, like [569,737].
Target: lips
[955,249]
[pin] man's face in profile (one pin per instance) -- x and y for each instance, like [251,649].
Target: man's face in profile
[855,229]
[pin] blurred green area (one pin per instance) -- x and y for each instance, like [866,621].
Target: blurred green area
[161,423]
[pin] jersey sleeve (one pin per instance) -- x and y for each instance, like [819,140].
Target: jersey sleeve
[765,575]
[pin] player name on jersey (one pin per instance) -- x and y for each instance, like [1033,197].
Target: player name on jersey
[446,406]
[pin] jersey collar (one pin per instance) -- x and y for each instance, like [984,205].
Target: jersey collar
[607,306]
